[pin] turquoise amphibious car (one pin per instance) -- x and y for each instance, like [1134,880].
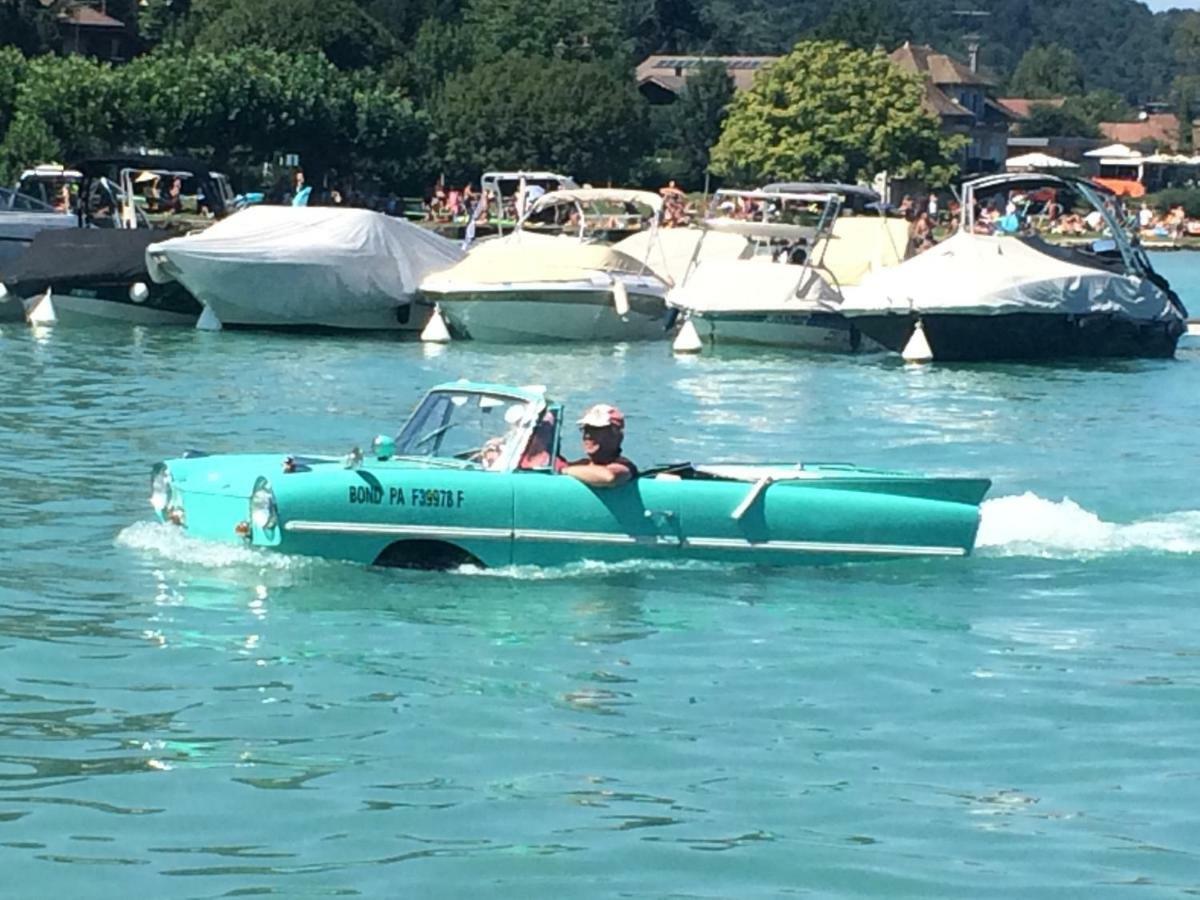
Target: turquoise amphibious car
[471,479]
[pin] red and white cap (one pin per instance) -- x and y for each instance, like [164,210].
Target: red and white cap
[602,415]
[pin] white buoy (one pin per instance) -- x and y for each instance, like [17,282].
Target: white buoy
[42,311]
[620,298]
[917,350]
[3,293]
[436,332]
[688,339]
[208,320]
[139,293]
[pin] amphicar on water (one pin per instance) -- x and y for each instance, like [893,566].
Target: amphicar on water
[473,478]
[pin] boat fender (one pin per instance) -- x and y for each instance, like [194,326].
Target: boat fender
[917,350]
[208,320]
[620,298]
[42,311]
[435,331]
[754,493]
[688,339]
[3,293]
[138,292]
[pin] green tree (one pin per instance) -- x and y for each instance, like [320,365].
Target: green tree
[829,112]
[346,35]
[697,117]
[1185,98]
[158,20]
[12,73]
[563,29]
[666,26]
[584,118]
[865,24]
[1047,71]
[29,25]
[1058,121]
[27,141]
[1101,106]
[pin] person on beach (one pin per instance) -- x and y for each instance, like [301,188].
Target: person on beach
[602,428]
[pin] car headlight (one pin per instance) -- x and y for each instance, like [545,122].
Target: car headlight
[160,488]
[263,511]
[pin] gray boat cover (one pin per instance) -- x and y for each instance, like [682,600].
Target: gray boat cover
[302,264]
[978,274]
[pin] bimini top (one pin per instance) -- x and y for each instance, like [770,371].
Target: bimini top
[862,195]
[183,165]
[597,195]
[1032,181]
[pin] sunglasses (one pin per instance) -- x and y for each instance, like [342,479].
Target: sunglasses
[589,430]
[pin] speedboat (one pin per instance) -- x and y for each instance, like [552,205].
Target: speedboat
[305,267]
[22,218]
[534,287]
[97,269]
[807,243]
[471,478]
[999,291]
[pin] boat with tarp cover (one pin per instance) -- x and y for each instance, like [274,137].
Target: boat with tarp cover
[1008,294]
[471,478]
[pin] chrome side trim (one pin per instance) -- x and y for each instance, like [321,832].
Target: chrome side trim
[303,525]
[600,537]
[825,547]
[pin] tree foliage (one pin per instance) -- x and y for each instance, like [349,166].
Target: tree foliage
[563,29]
[829,112]
[347,36]
[697,117]
[583,118]
[865,24]
[1046,120]
[1045,71]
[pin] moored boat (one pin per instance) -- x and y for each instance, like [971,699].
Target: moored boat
[786,290]
[533,287]
[306,267]
[471,479]
[1008,294]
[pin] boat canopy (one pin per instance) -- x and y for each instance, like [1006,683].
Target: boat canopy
[305,262]
[758,229]
[982,274]
[524,257]
[857,196]
[583,196]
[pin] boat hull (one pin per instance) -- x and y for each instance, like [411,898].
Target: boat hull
[808,331]
[551,314]
[164,305]
[409,317]
[1026,336]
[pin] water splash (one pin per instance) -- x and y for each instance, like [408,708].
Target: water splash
[171,543]
[1029,525]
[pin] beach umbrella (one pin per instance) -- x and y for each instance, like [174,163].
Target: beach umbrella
[1039,161]
[1115,150]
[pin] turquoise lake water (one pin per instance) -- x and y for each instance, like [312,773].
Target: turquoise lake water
[184,720]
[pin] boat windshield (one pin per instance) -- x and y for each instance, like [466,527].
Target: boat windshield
[487,429]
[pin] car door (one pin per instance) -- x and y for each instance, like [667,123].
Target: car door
[557,519]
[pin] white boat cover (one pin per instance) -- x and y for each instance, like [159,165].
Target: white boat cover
[669,251]
[526,258]
[754,286]
[303,264]
[995,275]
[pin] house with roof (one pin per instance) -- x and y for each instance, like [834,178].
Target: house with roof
[86,28]
[661,78]
[961,99]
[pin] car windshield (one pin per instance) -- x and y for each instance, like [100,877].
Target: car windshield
[483,428]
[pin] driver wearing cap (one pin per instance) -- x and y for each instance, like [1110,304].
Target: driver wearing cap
[602,428]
